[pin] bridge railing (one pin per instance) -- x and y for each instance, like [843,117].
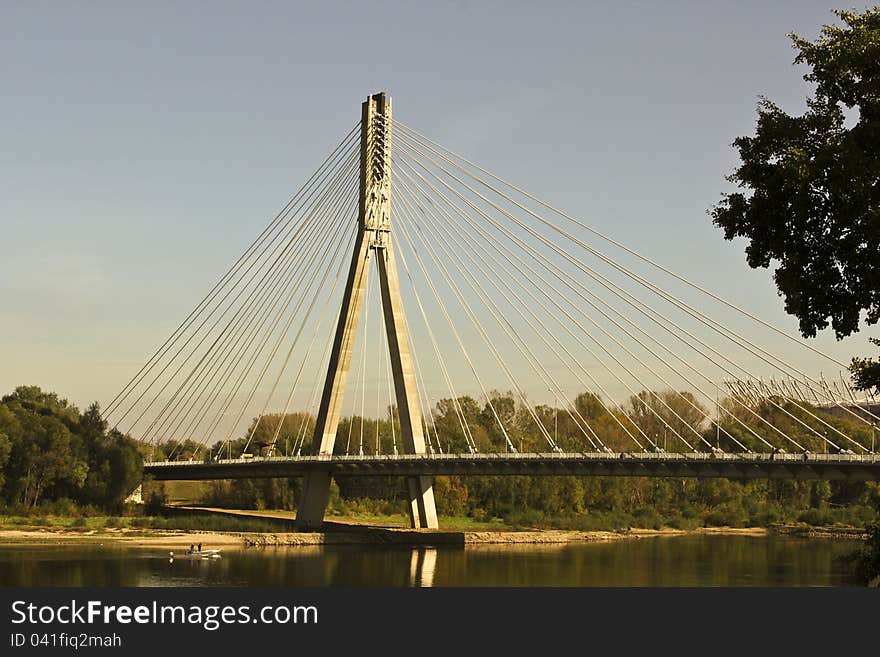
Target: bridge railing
[542,456]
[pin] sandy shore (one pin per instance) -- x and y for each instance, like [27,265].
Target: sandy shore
[173,540]
[373,535]
[181,540]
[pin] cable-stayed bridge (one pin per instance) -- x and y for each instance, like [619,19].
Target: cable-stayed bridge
[344,339]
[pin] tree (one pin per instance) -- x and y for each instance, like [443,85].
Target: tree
[49,451]
[812,200]
[5,449]
[866,372]
[44,458]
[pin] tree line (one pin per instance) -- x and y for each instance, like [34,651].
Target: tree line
[52,453]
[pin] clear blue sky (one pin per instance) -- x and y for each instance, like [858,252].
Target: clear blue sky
[142,145]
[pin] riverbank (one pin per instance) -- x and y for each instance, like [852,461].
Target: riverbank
[185,525]
[371,535]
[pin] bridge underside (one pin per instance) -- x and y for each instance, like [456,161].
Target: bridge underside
[837,467]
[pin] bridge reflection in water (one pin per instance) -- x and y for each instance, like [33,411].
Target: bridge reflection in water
[422,565]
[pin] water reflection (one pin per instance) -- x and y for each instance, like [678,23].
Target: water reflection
[421,567]
[679,561]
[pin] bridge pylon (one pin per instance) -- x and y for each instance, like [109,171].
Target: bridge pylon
[372,242]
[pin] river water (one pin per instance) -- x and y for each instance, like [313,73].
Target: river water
[667,561]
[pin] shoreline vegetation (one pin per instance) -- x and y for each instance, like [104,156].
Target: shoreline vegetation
[241,529]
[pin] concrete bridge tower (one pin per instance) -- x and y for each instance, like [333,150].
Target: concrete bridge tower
[373,242]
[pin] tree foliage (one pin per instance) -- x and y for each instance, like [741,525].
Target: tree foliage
[810,203]
[49,451]
[866,372]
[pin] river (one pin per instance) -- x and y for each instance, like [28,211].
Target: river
[696,560]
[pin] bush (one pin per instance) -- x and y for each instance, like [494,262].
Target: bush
[729,514]
[766,515]
[530,518]
[647,518]
[680,521]
[479,515]
[155,502]
[61,507]
[817,517]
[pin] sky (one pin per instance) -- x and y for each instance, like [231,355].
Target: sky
[143,145]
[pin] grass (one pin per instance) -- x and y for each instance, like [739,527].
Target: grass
[451,523]
[242,521]
[273,521]
[185,491]
[110,524]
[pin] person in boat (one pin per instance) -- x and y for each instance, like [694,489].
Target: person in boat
[192,548]
[200,547]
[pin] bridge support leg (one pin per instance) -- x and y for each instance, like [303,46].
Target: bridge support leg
[422,511]
[312,504]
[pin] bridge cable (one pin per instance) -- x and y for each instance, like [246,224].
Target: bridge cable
[318,325]
[248,346]
[581,265]
[510,277]
[340,250]
[566,362]
[468,437]
[737,339]
[469,312]
[182,327]
[608,239]
[267,287]
[277,259]
[532,359]
[264,301]
[273,293]
[361,361]
[637,397]
[550,298]
[364,338]
[337,240]
[496,246]
[477,265]
[589,271]
[313,399]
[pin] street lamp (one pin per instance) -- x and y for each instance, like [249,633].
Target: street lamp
[555,416]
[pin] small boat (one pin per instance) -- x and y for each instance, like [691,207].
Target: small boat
[195,554]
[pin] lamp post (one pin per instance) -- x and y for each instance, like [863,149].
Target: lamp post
[556,423]
[555,416]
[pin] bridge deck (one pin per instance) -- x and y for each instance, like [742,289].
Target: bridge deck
[831,467]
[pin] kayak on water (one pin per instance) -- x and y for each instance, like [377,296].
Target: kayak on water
[198,553]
